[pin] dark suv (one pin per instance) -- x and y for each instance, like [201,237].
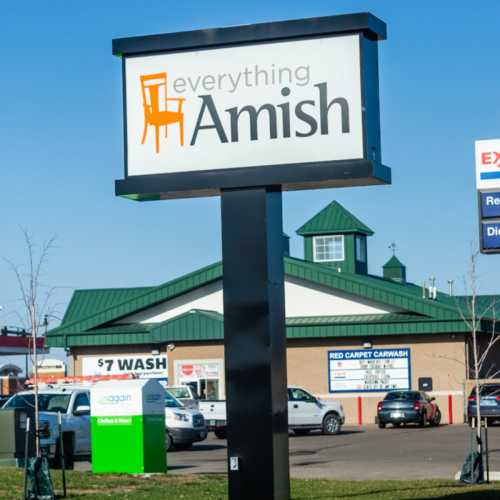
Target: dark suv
[489,403]
[403,407]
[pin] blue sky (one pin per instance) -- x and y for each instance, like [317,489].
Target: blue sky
[61,142]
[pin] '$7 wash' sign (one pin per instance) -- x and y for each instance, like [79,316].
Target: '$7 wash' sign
[488,164]
[141,365]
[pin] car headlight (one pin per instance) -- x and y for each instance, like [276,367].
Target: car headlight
[181,417]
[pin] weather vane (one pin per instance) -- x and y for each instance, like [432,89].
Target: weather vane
[393,247]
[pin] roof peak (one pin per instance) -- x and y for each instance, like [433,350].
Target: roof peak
[393,262]
[334,219]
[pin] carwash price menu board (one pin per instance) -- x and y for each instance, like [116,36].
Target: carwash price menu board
[369,370]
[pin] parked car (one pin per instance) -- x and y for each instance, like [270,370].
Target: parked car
[74,405]
[404,407]
[185,394]
[489,403]
[305,413]
[214,413]
[184,426]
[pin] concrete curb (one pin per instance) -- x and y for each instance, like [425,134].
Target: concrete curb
[494,475]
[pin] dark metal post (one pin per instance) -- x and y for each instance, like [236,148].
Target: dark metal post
[63,453]
[26,458]
[486,450]
[255,344]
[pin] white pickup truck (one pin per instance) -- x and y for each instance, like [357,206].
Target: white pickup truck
[305,413]
[183,426]
[74,406]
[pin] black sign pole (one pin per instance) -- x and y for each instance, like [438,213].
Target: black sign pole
[255,344]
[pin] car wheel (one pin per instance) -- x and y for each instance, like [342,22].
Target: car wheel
[437,419]
[331,424]
[423,420]
[301,432]
[169,443]
[381,425]
[220,433]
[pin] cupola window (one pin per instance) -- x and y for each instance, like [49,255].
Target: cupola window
[361,248]
[328,248]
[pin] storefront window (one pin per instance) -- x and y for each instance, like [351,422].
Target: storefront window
[203,376]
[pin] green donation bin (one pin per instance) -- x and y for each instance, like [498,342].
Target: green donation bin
[128,427]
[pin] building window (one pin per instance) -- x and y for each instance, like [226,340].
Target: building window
[328,248]
[360,249]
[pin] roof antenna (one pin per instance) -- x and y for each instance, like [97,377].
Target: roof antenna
[433,288]
[450,287]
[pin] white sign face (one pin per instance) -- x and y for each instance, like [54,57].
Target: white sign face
[142,365]
[289,102]
[488,164]
[369,370]
[127,397]
[189,370]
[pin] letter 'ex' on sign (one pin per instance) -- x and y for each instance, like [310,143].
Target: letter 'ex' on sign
[291,103]
[488,164]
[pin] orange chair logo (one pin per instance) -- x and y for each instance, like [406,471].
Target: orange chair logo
[156,112]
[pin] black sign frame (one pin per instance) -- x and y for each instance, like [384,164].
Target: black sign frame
[311,175]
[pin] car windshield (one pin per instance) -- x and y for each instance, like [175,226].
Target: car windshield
[180,392]
[404,395]
[46,402]
[171,402]
[488,390]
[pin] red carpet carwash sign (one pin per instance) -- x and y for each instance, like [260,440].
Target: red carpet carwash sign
[488,185]
[369,370]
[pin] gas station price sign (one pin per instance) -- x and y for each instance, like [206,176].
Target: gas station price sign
[488,186]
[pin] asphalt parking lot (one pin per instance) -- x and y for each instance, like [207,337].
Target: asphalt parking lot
[368,453]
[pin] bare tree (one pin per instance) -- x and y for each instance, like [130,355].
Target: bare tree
[479,318]
[35,298]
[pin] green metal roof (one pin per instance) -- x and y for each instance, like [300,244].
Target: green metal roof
[393,262]
[334,219]
[92,314]
[208,326]
[86,302]
[155,295]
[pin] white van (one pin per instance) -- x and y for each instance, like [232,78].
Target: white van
[185,394]
[184,426]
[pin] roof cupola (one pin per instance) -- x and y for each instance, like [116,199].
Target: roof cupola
[393,269]
[336,238]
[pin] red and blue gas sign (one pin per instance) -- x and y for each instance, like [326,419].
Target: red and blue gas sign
[488,186]
[490,205]
[490,235]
